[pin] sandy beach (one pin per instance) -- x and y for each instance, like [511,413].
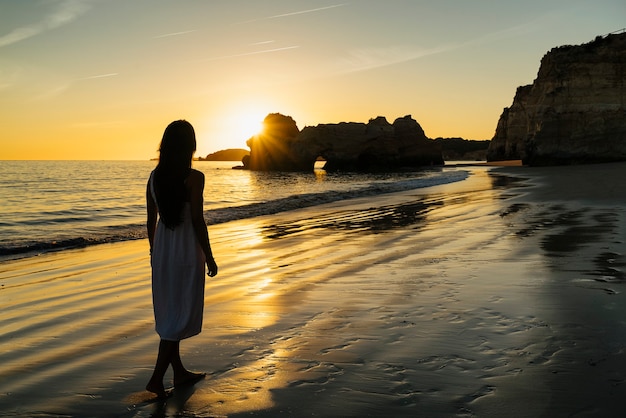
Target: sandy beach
[503,295]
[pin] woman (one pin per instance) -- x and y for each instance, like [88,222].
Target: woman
[179,248]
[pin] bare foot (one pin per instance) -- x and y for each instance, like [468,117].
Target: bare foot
[157,388]
[188,378]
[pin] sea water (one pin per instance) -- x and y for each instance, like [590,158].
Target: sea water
[52,205]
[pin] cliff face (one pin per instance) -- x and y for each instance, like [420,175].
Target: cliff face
[574,110]
[349,146]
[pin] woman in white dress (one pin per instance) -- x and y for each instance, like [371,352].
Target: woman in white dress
[179,248]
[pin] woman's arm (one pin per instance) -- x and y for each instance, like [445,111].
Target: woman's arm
[151,220]
[196,189]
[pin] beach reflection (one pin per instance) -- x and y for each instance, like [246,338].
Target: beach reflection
[245,289]
[443,203]
[320,173]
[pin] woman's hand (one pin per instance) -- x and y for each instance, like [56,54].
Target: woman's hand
[211,266]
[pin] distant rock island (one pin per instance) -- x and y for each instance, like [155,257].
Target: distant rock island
[574,110]
[231,154]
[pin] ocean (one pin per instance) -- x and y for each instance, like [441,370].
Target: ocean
[54,205]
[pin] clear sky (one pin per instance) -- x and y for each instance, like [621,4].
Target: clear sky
[100,79]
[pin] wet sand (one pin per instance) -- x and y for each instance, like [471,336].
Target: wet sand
[502,295]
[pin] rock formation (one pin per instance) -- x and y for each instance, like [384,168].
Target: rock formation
[272,150]
[574,110]
[348,146]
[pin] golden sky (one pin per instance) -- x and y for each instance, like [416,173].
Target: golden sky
[101,79]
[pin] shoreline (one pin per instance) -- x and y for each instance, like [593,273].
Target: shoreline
[503,292]
[77,226]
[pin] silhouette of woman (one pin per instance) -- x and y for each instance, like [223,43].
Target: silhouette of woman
[179,248]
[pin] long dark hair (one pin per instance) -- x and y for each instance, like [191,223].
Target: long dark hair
[175,155]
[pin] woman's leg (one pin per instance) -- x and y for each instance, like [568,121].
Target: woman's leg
[183,376]
[164,358]
[169,353]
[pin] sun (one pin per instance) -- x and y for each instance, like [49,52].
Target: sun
[229,125]
[250,123]
[237,123]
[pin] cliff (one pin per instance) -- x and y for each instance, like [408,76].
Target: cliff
[347,146]
[574,110]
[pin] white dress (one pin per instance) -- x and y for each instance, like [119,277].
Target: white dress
[178,269]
